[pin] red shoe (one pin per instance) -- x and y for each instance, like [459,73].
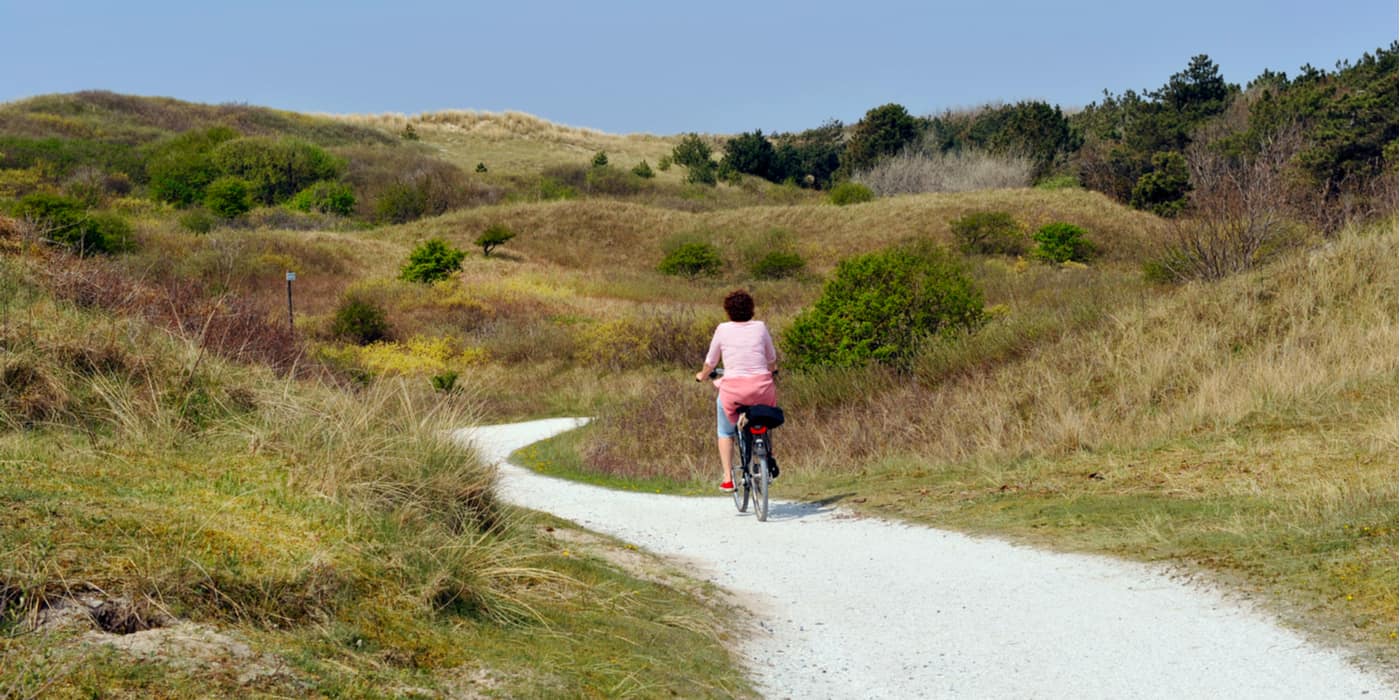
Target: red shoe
[727,487]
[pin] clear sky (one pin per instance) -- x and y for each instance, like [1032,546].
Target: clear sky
[718,66]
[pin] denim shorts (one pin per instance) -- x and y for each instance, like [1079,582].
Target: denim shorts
[722,424]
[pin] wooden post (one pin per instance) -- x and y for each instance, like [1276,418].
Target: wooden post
[291,323]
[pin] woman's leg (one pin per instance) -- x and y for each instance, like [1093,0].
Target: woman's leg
[725,442]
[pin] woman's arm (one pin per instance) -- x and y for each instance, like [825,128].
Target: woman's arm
[711,358]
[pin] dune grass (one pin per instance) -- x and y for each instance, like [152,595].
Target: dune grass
[338,533]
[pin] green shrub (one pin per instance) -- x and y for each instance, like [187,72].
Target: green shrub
[359,321]
[989,233]
[431,261]
[198,221]
[481,167]
[494,235]
[276,169]
[881,306]
[777,264]
[64,221]
[643,171]
[409,133]
[228,197]
[692,259]
[326,197]
[850,193]
[1060,242]
[664,164]
[600,159]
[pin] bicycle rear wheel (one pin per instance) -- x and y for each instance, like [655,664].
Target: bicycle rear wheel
[759,478]
[736,475]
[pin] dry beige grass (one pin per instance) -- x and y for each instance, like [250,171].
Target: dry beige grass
[516,143]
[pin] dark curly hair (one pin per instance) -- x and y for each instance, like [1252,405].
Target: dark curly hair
[739,305]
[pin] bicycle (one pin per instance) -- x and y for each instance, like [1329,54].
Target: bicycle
[753,467]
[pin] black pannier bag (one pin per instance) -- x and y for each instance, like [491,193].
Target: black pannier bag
[765,416]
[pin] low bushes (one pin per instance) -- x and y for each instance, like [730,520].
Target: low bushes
[881,306]
[64,221]
[989,233]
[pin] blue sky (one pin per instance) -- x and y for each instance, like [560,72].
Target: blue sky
[720,66]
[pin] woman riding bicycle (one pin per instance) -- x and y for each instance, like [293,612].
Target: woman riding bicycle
[746,349]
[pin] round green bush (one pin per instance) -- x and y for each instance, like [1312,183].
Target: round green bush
[431,261]
[989,233]
[851,193]
[777,264]
[359,321]
[643,170]
[228,197]
[326,197]
[881,306]
[1061,242]
[692,259]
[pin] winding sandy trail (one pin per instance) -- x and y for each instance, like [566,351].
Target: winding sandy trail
[865,608]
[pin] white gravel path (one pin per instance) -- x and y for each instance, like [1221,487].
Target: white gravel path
[865,608]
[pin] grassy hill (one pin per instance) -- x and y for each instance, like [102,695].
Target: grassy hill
[1242,429]
[515,143]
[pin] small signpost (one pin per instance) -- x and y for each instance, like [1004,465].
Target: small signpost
[291,324]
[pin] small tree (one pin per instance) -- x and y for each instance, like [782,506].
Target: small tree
[664,164]
[431,261]
[694,154]
[643,171]
[494,235]
[751,154]
[409,133]
[600,159]
[481,167]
